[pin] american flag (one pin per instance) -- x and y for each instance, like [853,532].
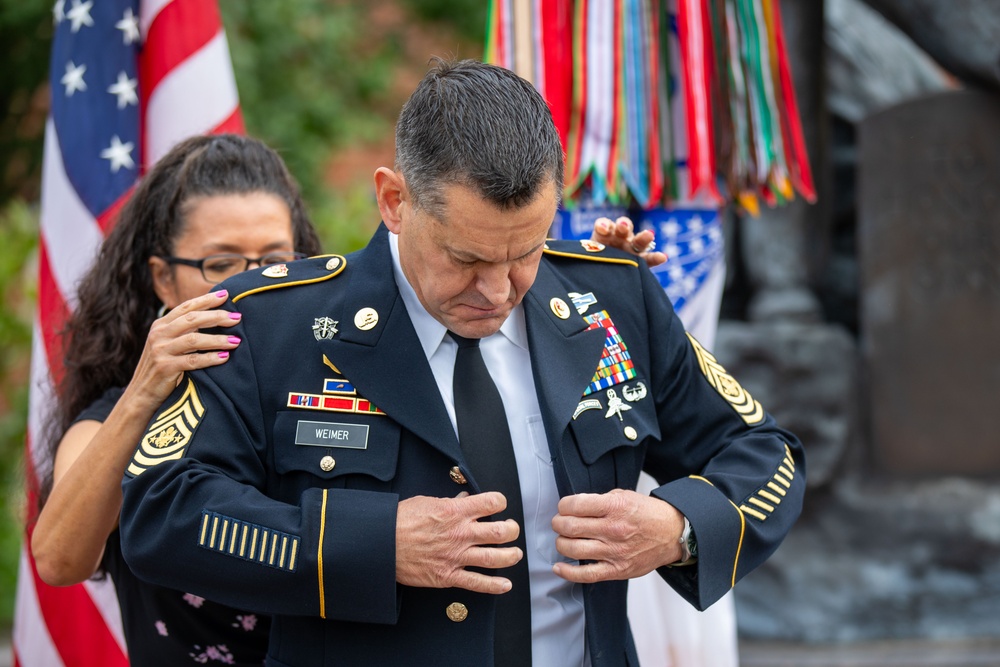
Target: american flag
[129,79]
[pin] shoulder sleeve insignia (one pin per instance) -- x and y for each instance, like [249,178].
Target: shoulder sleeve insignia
[303,272]
[167,438]
[724,383]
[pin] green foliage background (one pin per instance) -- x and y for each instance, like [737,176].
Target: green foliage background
[314,76]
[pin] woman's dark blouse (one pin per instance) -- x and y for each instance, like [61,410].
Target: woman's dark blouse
[168,627]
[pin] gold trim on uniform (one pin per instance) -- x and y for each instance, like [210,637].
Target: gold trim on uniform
[743,528]
[727,386]
[167,438]
[592,258]
[263,288]
[764,502]
[262,551]
[319,557]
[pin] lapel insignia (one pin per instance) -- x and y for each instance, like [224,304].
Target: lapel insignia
[616,406]
[586,404]
[727,386]
[366,319]
[324,328]
[275,271]
[616,364]
[591,246]
[167,438]
[636,393]
[582,301]
[559,308]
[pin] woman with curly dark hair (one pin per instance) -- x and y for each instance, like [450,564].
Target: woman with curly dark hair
[212,207]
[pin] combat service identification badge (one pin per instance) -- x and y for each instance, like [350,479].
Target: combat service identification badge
[324,328]
[168,437]
[724,383]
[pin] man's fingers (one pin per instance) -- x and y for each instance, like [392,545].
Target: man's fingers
[585,504]
[582,549]
[480,583]
[588,573]
[493,558]
[493,532]
[482,504]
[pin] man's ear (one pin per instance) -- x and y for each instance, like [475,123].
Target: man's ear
[390,189]
[163,282]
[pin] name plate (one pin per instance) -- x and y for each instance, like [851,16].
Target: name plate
[327,434]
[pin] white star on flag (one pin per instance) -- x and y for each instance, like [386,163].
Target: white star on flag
[129,25]
[119,154]
[79,14]
[73,78]
[124,88]
[57,12]
[670,228]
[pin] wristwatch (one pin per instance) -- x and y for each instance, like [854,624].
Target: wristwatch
[689,545]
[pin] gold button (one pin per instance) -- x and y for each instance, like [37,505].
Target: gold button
[327,463]
[456,476]
[457,612]
[630,433]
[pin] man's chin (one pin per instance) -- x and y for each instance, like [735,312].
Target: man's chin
[478,327]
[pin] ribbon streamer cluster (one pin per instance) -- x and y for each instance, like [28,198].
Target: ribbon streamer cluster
[661,102]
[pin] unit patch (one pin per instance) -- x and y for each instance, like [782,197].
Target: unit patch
[615,365]
[724,383]
[167,438]
[248,541]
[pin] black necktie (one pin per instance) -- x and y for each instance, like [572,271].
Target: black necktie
[486,444]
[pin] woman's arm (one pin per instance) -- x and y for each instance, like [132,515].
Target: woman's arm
[82,510]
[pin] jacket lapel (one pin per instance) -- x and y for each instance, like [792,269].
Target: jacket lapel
[564,355]
[386,362]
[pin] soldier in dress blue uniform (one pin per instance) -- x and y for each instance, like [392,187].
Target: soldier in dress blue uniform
[323,475]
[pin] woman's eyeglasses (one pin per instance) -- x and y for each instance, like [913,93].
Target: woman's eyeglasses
[216,268]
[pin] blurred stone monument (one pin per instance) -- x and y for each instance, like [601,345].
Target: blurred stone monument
[900,534]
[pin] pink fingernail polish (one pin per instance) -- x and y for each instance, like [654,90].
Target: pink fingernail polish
[221,293]
[223,355]
[235,340]
[235,316]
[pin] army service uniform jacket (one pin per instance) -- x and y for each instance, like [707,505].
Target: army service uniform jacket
[271,482]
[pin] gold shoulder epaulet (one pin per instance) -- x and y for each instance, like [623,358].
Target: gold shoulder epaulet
[592,251]
[303,272]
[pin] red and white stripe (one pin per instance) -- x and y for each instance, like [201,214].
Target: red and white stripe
[187,88]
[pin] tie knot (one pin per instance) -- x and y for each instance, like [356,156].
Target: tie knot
[463,341]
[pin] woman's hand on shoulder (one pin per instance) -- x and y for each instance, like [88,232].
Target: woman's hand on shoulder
[621,234]
[176,344]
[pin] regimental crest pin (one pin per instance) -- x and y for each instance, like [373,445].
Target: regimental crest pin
[324,328]
[559,308]
[591,246]
[275,271]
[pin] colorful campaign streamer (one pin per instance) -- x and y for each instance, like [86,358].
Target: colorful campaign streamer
[662,102]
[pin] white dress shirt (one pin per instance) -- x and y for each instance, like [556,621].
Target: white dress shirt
[557,612]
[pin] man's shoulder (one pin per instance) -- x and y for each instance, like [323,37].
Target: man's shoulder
[283,277]
[591,252]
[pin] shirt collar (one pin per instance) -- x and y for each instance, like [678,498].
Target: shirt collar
[430,332]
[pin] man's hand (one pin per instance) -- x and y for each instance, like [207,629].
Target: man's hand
[437,538]
[624,533]
[619,234]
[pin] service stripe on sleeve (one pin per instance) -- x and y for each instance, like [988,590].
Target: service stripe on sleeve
[264,543]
